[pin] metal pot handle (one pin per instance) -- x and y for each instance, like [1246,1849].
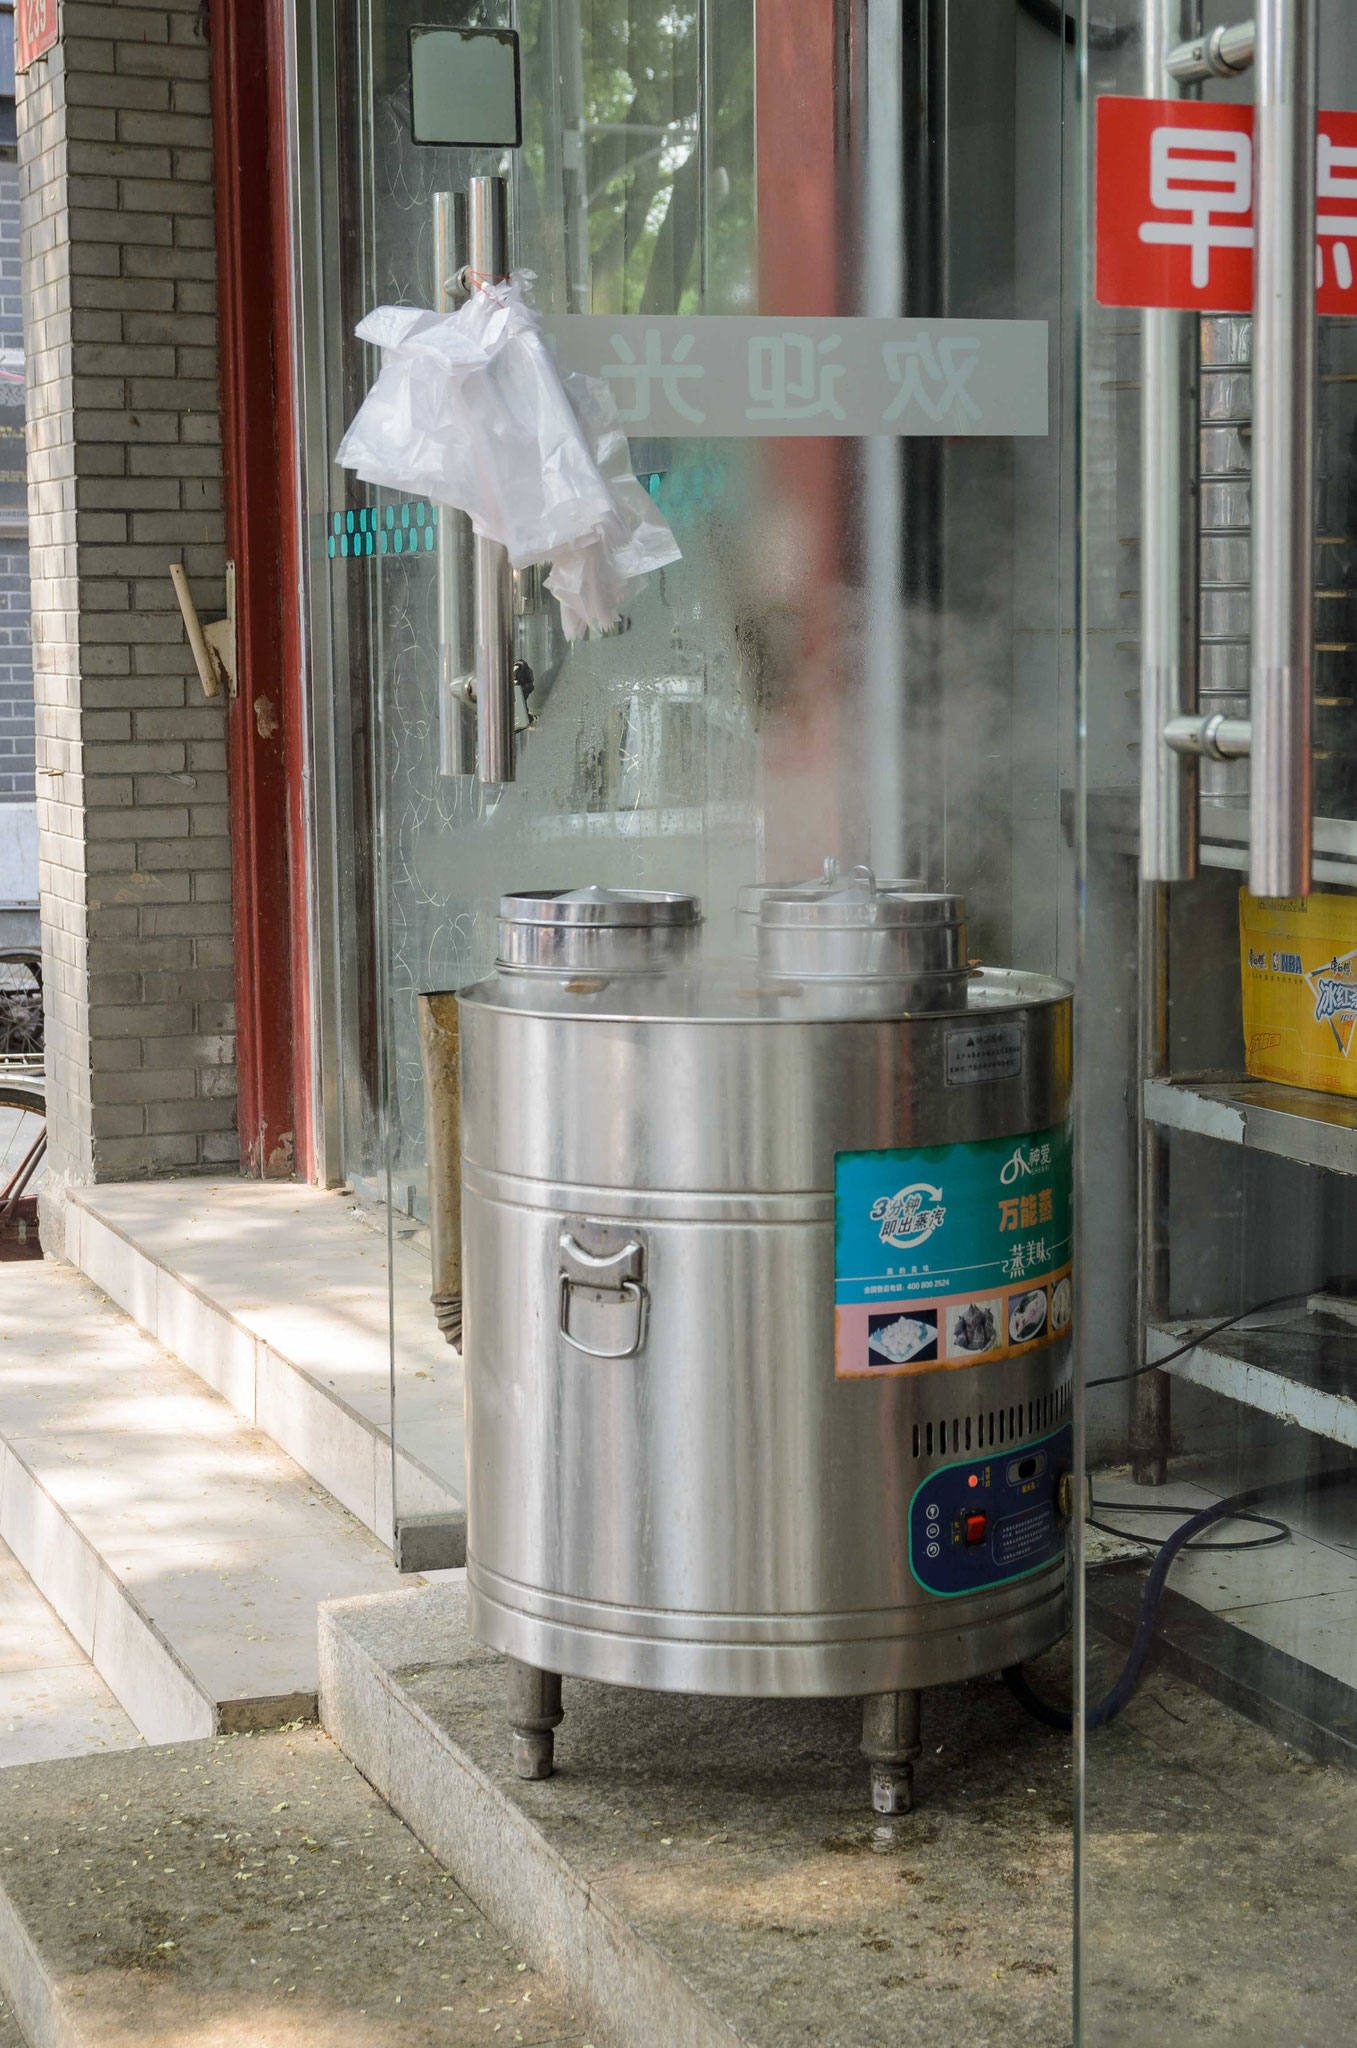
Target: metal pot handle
[616,1273]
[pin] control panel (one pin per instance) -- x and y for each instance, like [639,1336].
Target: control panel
[991,1518]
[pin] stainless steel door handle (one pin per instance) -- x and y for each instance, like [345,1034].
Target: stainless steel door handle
[456,572]
[597,1276]
[1283,449]
[496,744]
[1170,428]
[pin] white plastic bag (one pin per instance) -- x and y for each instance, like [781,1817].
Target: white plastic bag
[470,410]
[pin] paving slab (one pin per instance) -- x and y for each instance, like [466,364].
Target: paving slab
[714,1863]
[710,1863]
[245,1892]
[183,1552]
[282,1298]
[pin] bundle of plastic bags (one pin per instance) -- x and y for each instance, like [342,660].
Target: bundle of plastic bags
[470,410]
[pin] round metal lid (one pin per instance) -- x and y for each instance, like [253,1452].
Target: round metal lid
[856,901]
[596,906]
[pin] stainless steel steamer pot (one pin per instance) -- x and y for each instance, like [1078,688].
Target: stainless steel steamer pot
[669,1485]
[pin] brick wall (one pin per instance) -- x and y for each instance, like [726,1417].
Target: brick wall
[124,477]
[16,653]
[16,673]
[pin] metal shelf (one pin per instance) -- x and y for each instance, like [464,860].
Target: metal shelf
[1291,1123]
[1302,1370]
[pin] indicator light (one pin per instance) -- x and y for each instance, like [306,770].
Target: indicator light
[974,1479]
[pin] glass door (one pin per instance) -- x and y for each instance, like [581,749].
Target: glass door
[865,652]
[1218,524]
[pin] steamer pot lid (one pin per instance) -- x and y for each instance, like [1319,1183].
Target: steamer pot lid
[856,901]
[597,906]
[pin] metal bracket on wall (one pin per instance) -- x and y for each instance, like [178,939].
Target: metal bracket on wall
[213,645]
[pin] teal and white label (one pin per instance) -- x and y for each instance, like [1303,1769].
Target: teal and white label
[952,1255]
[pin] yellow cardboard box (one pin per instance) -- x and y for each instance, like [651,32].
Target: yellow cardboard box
[1298,957]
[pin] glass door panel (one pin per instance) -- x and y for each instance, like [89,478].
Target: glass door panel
[1218,1813]
[864,652]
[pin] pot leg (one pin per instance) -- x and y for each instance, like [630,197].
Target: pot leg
[533,1703]
[890,1742]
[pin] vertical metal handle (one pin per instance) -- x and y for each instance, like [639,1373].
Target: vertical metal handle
[456,601]
[1283,449]
[1170,431]
[488,205]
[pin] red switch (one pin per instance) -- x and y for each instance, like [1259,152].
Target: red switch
[976,1526]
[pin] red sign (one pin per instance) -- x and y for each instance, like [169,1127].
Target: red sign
[1175,207]
[35,31]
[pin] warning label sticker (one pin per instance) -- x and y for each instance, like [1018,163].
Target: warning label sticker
[984,1052]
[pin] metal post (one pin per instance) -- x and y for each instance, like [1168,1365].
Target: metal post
[495,745]
[1283,449]
[456,627]
[1169,539]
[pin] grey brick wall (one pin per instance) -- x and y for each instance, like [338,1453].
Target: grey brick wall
[125,476]
[16,653]
[16,673]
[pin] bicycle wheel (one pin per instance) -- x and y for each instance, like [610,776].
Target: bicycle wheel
[20,1004]
[23,1139]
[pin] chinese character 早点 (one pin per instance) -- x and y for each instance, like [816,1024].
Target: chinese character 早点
[1045,1206]
[1029,1211]
[1008,1215]
[645,371]
[916,365]
[1337,179]
[1203,173]
[789,378]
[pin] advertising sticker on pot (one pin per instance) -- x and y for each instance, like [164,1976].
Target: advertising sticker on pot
[953,1255]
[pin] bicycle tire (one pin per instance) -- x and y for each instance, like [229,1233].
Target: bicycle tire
[17,1094]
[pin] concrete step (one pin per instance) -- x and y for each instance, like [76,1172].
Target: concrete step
[53,1702]
[283,1298]
[182,1550]
[708,1873]
[246,1892]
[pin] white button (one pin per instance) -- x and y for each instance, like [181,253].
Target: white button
[931,1512]
[933,1549]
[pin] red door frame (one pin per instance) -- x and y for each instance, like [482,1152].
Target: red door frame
[802,73]
[265,723]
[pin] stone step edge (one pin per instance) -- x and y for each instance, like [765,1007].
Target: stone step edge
[518,1879]
[353,1462]
[33,1999]
[130,1652]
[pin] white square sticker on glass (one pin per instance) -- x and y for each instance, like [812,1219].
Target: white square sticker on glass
[464,88]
